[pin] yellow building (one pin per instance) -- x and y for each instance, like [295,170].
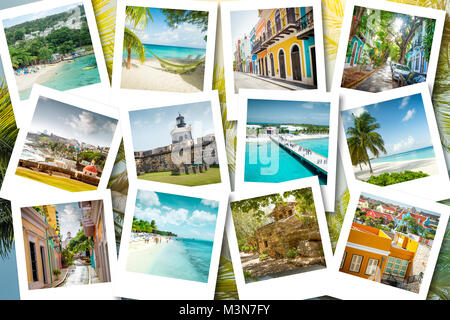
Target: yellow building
[371,253]
[40,253]
[286,48]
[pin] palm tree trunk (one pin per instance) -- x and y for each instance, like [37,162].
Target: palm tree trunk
[370,166]
[129,58]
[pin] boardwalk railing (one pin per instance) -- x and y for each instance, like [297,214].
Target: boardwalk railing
[316,160]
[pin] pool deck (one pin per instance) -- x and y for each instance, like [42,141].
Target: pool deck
[314,159]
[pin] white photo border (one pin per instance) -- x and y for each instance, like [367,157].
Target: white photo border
[294,287]
[438,15]
[347,286]
[211,7]
[433,187]
[130,101]
[97,291]
[98,91]
[15,186]
[328,190]
[135,285]
[233,106]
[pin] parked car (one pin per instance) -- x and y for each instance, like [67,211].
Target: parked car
[400,69]
[415,77]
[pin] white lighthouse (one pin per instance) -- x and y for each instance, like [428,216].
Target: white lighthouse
[181,132]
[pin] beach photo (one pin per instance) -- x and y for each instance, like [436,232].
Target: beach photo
[387,45]
[389,242]
[66,146]
[390,142]
[65,245]
[172,236]
[185,148]
[286,140]
[51,47]
[164,49]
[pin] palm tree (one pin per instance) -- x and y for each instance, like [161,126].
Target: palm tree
[362,137]
[137,18]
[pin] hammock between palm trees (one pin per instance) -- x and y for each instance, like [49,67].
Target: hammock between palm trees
[176,67]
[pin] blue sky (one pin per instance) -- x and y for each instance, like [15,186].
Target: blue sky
[71,122]
[162,120]
[371,196]
[69,218]
[9,288]
[242,23]
[159,32]
[403,123]
[187,217]
[37,15]
[280,111]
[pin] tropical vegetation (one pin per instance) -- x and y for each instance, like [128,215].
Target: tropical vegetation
[386,178]
[362,139]
[149,227]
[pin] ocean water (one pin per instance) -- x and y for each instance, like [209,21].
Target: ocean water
[283,166]
[170,52]
[319,146]
[423,153]
[71,76]
[185,259]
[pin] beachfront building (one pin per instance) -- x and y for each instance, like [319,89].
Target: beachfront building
[285,47]
[415,57]
[93,221]
[269,130]
[377,255]
[42,252]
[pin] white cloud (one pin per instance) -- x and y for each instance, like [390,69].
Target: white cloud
[176,217]
[403,145]
[404,103]
[358,111]
[148,198]
[409,115]
[86,123]
[211,203]
[200,218]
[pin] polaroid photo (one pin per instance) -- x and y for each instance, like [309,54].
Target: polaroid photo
[69,144]
[392,141]
[65,248]
[279,242]
[287,137]
[54,44]
[389,245]
[164,47]
[386,45]
[267,48]
[171,242]
[180,142]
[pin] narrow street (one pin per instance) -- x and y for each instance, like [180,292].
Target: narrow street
[244,81]
[78,274]
[378,81]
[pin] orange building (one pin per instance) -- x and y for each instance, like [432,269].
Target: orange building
[371,253]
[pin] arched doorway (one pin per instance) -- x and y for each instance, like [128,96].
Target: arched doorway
[278,20]
[265,62]
[259,71]
[295,61]
[272,65]
[269,29]
[282,64]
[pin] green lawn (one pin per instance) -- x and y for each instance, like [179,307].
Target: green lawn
[195,179]
[54,181]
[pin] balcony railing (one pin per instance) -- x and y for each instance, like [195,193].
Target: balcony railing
[282,26]
[305,25]
[86,219]
[256,47]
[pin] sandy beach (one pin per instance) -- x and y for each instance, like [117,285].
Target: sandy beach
[151,76]
[44,74]
[425,165]
[142,254]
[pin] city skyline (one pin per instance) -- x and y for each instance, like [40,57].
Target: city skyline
[71,122]
[163,121]
[403,123]
[187,217]
[158,32]
[282,111]
[400,204]
[7,23]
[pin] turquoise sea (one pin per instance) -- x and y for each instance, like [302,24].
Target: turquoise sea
[170,52]
[283,167]
[71,76]
[185,259]
[319,146]
[423,153]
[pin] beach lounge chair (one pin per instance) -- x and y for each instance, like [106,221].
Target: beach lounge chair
[176,67]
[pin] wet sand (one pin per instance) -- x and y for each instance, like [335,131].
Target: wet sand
[45,74]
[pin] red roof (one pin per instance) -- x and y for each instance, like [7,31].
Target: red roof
[376,214]
[387,208]
[90,169]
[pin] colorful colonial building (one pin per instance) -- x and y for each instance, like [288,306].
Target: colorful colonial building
[376,255]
